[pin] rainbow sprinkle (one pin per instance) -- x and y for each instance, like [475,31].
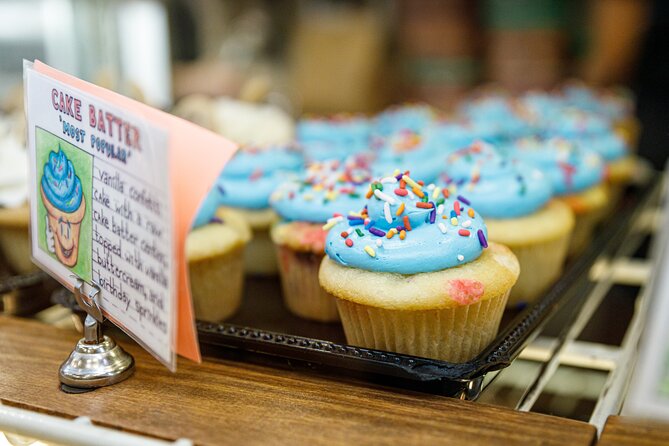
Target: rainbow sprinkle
[369,250]
[482,240]
[464,232]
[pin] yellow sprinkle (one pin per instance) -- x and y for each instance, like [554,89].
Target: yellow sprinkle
[403,234]
[354,214]
[318,187]
[400,209]
[470,212]
[370,251]
[391,232]
[410,182]
[435,193]
[418,192]
[307,197]
[328,225]
[369,194]
[454,221]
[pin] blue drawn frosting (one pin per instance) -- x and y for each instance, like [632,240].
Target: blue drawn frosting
[60,183]
[570,167]
[325,188]
[432,243]
[496,186]
[248,180]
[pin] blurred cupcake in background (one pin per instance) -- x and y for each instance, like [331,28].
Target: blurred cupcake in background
[577,176]
[326,192]
[215,255]
[406,117]
[515,199]
[407,148]
[593,132]
[497,118]
[245,184]
[333,137]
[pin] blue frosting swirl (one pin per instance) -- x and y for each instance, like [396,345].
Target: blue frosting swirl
[574,123]
[248,180]
[570,167]
[495,118]
[335,137]
[413,117]
[325,188]
[609,145]
[60,183]
[447,136]
[496,186]
[407,149]
[432,244]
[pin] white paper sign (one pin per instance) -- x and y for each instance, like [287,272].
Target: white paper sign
[101,207]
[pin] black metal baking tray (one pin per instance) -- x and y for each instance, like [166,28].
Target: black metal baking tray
[265,332]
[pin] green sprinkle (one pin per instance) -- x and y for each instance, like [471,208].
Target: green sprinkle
[440,201]
[359,232]
[354,195]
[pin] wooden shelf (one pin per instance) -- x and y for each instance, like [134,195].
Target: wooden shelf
[623,431]
[227,402]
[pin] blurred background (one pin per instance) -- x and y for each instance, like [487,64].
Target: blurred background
[329,56]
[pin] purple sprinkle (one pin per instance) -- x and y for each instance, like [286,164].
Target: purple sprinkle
[464,200]
[377,232]
[433,214]
[460,182]
[370,224]
[353,217]
[220,189]
[216,220]
[399,177]
[356,222]
[400,228]
[482,239]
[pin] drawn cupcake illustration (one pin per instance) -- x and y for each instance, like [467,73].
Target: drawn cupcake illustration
[63,199]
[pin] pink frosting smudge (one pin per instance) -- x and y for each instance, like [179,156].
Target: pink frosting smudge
[313,237]
[465,291]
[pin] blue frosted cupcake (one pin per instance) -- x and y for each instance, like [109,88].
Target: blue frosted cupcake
[333,137]
[410,278]
[510,194]
[577,176]
[497,119]
[411,117]
[305,204]
[407,149]
[245,185]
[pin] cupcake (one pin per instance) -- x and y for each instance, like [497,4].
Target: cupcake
[511,195]
[413,279]
[577,176]
[333,137]
[407,149]
[305,205]
[215,255]
[594,132]
[411,117]
[246,184]
[63,199]
[497,118]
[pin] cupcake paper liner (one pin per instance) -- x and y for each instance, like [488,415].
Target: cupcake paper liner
[260,254]
[454,334]
[302,293]
[540,266]
[583,229]
[217,284]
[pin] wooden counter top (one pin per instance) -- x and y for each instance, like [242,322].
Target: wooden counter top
[624,431]
[226,402]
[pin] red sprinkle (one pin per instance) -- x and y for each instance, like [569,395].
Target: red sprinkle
[445,192]
[403,184]
[464,232]
[421,182]
[422,205]
[407,225]
[456,207]
[344,234]
[349,242]
[401,192]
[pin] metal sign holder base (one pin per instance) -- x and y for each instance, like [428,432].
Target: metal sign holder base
[97,360]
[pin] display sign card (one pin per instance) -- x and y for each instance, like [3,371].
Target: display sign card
[115,186]
[648,394]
